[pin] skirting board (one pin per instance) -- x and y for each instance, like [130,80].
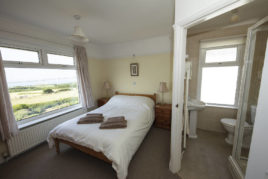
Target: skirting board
[235,169]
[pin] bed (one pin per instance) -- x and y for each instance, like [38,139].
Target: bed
[115,146]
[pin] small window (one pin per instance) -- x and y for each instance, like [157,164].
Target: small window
[218,85]
[19,55]
[60,60]
[221,55]
[219,74]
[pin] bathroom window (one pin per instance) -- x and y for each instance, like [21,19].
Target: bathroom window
[219,75]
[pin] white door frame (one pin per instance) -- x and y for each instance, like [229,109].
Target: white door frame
[257,166]
[180,36]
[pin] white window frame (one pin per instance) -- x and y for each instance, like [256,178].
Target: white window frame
[19,47]
[43,64]
[46,52]
[203,64]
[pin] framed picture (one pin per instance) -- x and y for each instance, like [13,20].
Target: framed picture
[134,69]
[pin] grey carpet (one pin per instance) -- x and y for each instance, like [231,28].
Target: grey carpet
[206,157]
[150,161]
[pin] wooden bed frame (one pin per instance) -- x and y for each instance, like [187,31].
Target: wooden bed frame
[153,96]
[90,151]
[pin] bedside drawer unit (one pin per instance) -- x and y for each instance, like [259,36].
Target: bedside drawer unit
[102,101]
[163,116]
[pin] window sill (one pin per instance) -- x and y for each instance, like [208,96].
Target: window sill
[221,106]
[34,122]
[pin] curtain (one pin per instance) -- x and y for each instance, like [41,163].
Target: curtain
[83,77]
[8,124]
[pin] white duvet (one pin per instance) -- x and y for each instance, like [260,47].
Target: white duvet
[118,145]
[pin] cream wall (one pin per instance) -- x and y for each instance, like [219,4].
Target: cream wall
[97,77]
[152,70]
[156,68]
[209,119]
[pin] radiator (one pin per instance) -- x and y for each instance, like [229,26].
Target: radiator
[30,137]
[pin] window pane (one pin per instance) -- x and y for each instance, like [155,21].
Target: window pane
[219,85]
[60,60]
[18,55]
[36,91]
[221,55]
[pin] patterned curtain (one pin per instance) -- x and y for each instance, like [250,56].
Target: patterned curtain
[83,77]
[8,124]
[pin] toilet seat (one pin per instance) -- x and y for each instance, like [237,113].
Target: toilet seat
[229,122]
[232,122]
[229,125]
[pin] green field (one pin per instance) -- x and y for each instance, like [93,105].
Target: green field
[35,100]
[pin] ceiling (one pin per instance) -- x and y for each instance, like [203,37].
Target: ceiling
[103,21]
[248,14]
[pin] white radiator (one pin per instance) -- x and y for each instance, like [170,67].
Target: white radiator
[36,134]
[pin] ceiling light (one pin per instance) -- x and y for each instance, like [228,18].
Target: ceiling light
[78,34]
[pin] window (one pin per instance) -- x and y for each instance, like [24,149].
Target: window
[59,59]
[219,74]
[221,55]
[19,55]
[38,90]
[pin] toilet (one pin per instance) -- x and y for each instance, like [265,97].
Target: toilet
[229,126]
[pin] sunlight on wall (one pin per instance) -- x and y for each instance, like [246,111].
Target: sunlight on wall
[152,70]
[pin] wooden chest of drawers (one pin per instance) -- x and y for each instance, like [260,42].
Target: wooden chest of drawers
[163,116]
[102,101]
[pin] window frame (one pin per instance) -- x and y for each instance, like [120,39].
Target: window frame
[46,52]
[43,64]
[203,64]
[5,62]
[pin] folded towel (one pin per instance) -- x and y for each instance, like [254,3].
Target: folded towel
[90,120]
[114,123]
[115,119]
[95,114]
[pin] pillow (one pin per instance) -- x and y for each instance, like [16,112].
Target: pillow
[124,100]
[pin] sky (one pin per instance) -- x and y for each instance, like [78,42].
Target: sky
[33,76]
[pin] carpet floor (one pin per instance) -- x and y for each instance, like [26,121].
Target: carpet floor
[151,161]
[206,157]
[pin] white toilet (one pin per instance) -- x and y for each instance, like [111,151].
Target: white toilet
[229,126]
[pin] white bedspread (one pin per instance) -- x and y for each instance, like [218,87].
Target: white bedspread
[118,145]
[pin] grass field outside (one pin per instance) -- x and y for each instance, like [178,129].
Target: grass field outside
[36,100]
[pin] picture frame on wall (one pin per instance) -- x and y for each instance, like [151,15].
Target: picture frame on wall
[134,69]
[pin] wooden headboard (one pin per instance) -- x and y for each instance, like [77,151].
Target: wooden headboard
[152,96]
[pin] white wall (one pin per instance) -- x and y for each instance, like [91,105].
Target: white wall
[258,156]
[150,46]
[25,33]
[192,12]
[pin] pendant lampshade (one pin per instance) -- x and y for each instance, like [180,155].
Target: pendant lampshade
[78,34]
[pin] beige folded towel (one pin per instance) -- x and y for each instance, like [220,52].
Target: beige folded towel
[95,114]
[115,119]
[114,123]
[90,120]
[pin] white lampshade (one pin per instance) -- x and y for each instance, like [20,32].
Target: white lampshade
[107,85]
[79,35]
[163,87]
